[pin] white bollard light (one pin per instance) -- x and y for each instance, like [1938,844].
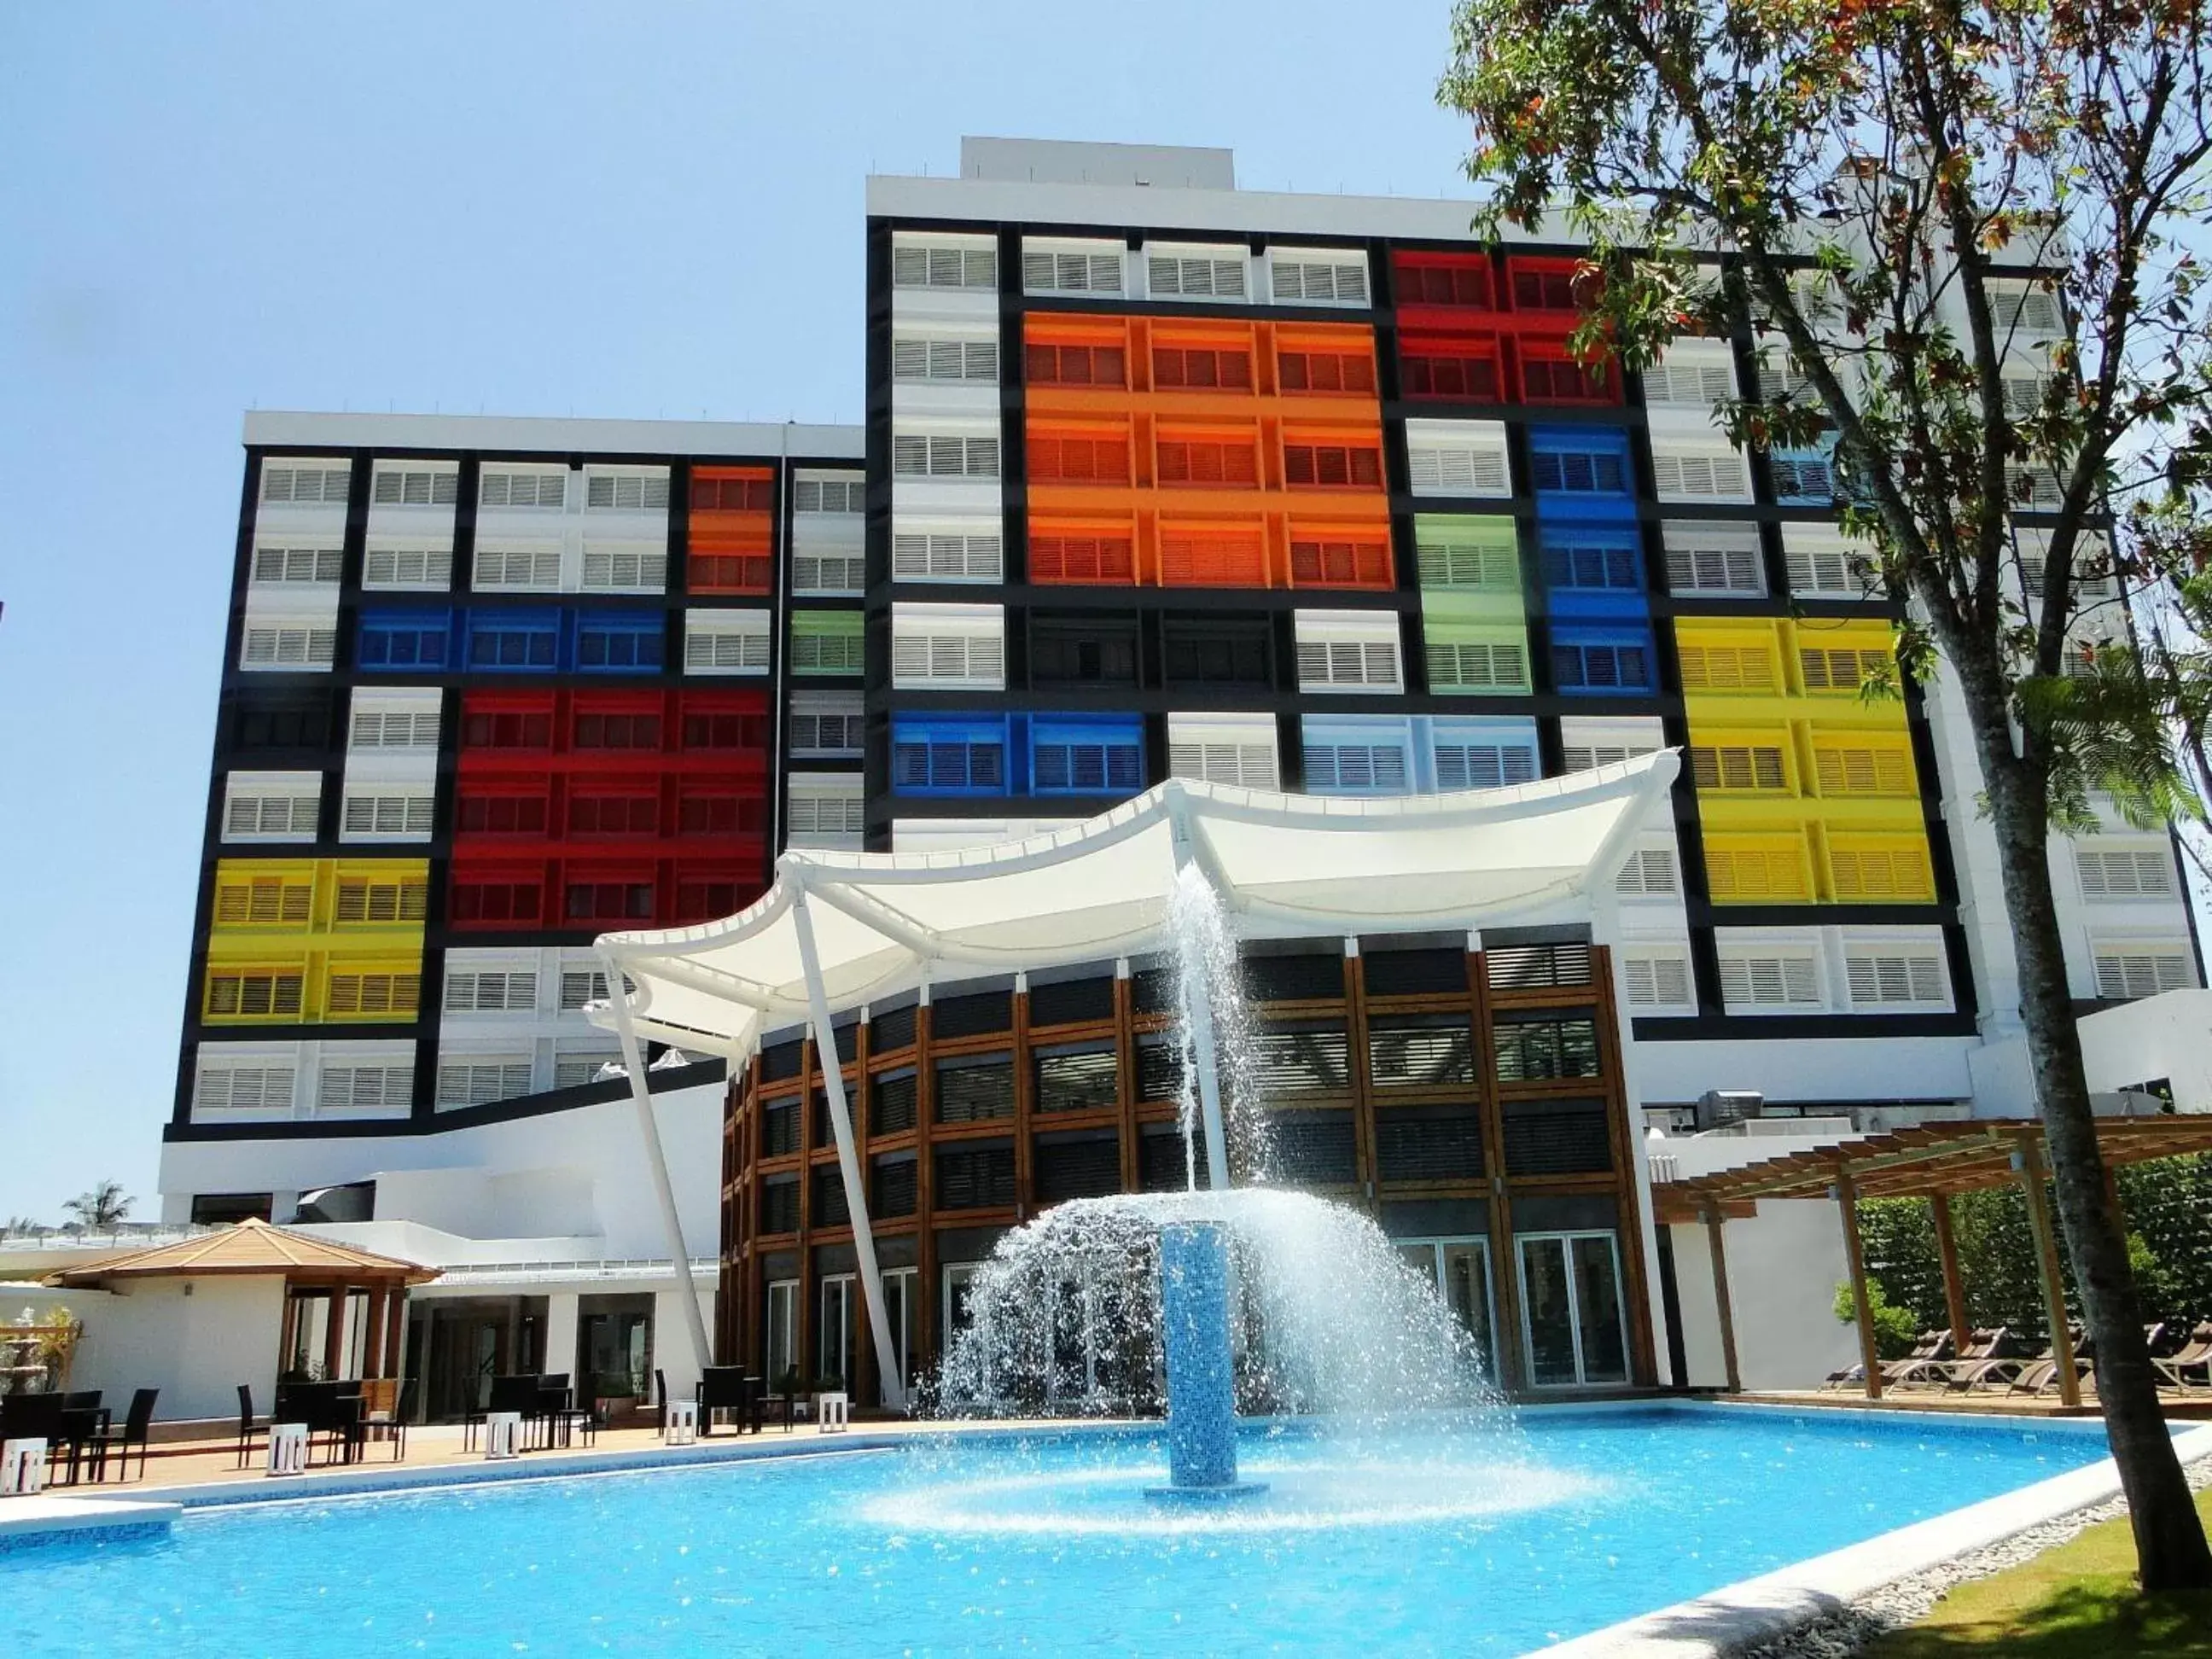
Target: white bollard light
[683,1422]
[22,1468]
[288,1448]
[502,1431]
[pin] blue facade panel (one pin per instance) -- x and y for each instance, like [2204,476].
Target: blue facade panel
[403,641]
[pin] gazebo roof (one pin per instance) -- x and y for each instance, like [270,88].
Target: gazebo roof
[1283,865]
[1919,1162]
[250,1247]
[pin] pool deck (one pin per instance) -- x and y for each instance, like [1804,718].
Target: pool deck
[2183,1408]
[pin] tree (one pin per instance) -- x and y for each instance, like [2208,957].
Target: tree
[1854,174]
[99,1209]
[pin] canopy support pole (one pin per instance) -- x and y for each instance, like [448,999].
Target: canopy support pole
[849,1161]
[1847,1201]
[1722,1306]
[1197,1019]
[656,1160]
[1955,1288]
[2029,1166]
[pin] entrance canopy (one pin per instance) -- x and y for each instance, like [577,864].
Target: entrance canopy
[1284,866]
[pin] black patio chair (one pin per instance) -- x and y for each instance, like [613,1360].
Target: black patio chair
[137,1428]
[32,1417]
[660,1388]
[721,1388]
[84,1428]
[248,1425]
[517,1395]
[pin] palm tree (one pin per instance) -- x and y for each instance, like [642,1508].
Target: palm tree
[99,1210]
[22,1225]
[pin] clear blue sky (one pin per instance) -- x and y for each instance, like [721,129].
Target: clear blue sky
[649,209]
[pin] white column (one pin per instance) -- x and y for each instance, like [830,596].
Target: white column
[561,1341]
[848,1157]
[1605,929]
[656,1159]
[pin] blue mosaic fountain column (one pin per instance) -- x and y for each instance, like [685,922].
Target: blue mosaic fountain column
[1194,1327]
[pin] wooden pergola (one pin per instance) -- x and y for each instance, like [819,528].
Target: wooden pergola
[313,1269]
[1931,1161]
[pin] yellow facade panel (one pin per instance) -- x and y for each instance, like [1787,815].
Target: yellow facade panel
[383,901]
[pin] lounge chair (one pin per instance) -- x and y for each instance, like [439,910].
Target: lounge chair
[1932,1344]
[1983,1346]
[2194,1355]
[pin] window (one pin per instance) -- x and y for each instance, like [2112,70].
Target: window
[1802,476]
[948,645]
[2029,307]
[1601,666]
[975,1177]
[944,361]
[1713,558]
[920,556]
[361,900]
[1737,766]
[1227,652]
[224,1087]
[1457,459]
[402,640]
[388,1088]
[732,491]
[1347,652]
[1339,563]
[1874,873]
[285,807]
[1821,561]
[1741,872]
[1596,561]
[948,757]
[295,645]
[395,485]
[1069,757]
[505,640]
[583,986]
[1579,472]
[1887,978]
[1212,558]
[514,487]
[1332,467]
[375,996]
[608,901]
[480,1082]
[595,812]
[1357,760]
[1468,553]
[1317,278]
[1216,462]
[1195,276]
[1710,472]
[1539,288]
[1726,668]
[263,899]
[1657,979]
[1450,370]
[1100,651]
[234,993]
[945,264]
[1840,669]
[2125,873]
[1531,1050]
[1547,377]
[1422,1054]
[1691,374]
[1588,756]
[825,728]
[916,456]
[518,569]
[843,496]
[626,492]
[1081,559]
[628,643]
[975,1091]
[712,728]
[719,812]
[1468,664]
[1327,372]
[1861,769]
[1086,268]
[296,564]
[572,1070]
[1649,872]
[301,483]
[493,900]
[827,642]
[616,731]
[2125,972]
[2092,566]
[1239,749]
[825,816]
[1180,367]
[1082,1078]
[1768,979]
[725,641]
[407,566]
[490,990]
[625,569]
[828,573]
[480,814]
[398,813]
[1466,761]
[1075,365]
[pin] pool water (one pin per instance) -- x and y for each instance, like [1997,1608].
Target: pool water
[1466,1540]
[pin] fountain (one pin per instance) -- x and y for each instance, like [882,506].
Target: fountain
[1214,1298]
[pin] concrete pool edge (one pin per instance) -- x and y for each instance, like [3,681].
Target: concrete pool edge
[1755,1611]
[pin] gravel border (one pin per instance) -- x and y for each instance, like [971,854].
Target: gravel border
[1908,1600]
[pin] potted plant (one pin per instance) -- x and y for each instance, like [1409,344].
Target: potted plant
[614,1395]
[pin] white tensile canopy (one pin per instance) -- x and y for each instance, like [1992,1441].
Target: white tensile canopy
[839,929]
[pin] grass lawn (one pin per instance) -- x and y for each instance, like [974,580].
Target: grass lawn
[2077,1602]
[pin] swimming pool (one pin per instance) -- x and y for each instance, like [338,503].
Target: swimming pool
[1471,1541]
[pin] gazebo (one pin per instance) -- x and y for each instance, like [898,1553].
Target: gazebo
[351,1303]
[1931,1161]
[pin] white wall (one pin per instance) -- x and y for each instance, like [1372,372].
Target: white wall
[1783,1266]
[1810,1069]
[577,1172]
[196,1339]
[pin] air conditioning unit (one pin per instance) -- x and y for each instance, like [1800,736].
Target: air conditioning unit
[1718,1108]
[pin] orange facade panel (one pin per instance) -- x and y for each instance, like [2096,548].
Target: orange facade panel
[1194,452]
[731,536]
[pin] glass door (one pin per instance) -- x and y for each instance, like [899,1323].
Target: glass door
[1460,1269]
[833,1333]
[1573,1325]
[782,1332]
[898,1312]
